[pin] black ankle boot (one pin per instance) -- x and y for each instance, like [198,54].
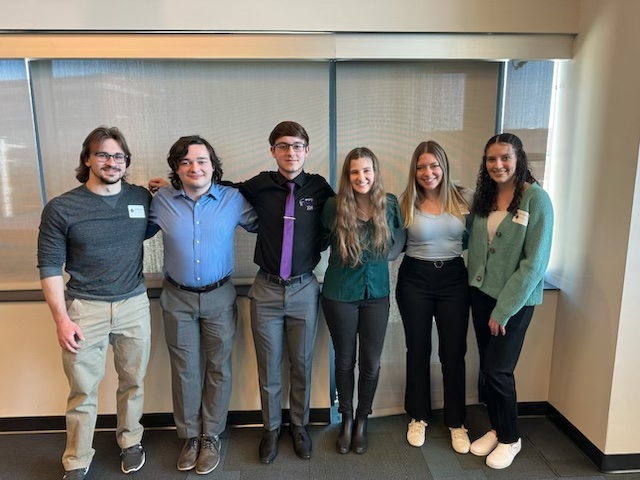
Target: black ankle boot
[343,442]
[359,442]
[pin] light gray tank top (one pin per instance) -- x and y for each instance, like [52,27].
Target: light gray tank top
[434,237]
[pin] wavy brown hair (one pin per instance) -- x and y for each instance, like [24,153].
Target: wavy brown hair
[451,199]
[93,141]
[346,227]
[484,200]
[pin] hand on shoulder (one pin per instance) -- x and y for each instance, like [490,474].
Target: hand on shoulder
[157,183]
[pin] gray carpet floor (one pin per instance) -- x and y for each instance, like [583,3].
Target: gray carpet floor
[546,454]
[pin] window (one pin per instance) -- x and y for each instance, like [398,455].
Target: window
[50,106]
[527,103]
[20,191]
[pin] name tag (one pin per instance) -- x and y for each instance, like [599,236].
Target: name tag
[136,211]
[521,217]
[306,203]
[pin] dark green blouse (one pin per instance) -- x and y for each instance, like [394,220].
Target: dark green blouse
[368,279]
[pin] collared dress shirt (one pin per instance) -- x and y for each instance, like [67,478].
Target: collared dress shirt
[267,193]
[198,235]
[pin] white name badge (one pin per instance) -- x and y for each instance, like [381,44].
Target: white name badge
[521,217]
[136,211]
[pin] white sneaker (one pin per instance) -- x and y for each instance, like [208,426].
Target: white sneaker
[415,432]
[459,439]
[503,455]
[485,444]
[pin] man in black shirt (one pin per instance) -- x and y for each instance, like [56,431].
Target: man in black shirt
[284,296]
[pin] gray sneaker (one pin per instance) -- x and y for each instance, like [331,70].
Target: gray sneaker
[189,454]
[76,474]
[132,458]
[209,457]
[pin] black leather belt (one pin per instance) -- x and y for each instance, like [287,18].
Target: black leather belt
[289,281]
[205,289]
[437,263]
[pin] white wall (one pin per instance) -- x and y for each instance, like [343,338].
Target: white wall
[33,383]
[523,16]
[625,390]
[594,373]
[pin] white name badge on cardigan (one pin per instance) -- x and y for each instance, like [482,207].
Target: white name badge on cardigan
[521,217]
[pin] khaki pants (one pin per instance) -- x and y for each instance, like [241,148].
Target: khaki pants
[126,325]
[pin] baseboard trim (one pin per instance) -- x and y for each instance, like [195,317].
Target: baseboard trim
[533,409]
[149,420]
[605,463]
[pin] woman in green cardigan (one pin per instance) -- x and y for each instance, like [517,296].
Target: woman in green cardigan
[509,248]
[365,226]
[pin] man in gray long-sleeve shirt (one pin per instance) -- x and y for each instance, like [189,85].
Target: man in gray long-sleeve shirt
[96,232]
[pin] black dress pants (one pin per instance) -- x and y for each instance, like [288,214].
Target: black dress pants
[426,290]
[361,325]
[498,358]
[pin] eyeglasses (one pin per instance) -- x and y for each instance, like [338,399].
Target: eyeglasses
[284,147]
[117,157]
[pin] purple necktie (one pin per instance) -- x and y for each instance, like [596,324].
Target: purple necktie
[287,233]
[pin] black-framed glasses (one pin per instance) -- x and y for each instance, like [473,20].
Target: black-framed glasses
[284,147]
[104,156]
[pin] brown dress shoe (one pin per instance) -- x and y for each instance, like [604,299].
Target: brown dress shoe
[209,457]
[189,454]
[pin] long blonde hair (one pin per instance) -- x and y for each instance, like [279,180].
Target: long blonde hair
[451,199]
[346,227]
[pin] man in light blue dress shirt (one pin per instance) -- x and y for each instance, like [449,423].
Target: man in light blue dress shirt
[198,218]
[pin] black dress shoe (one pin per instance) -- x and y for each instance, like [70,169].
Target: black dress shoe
[268,449]
[301,442]
[359,442]
[343,442]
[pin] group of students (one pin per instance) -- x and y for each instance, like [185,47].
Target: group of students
[507,224]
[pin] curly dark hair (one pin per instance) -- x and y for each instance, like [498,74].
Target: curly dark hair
[484,200]
[181,148]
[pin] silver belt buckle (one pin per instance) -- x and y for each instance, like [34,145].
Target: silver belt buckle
[438,264]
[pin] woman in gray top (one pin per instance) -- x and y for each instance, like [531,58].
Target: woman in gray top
[432,282]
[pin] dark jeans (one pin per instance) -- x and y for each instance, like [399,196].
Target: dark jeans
[426,290]
[362,323]
[498,358]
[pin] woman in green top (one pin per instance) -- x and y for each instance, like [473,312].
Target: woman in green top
[365,224]
[509,248]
